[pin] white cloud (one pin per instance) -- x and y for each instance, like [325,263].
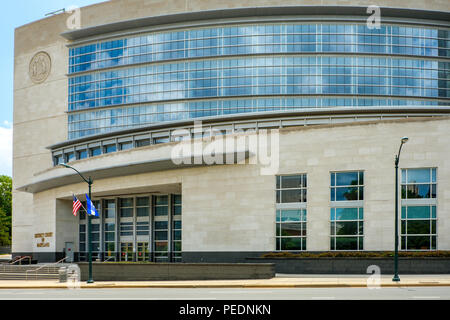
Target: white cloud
[6,149]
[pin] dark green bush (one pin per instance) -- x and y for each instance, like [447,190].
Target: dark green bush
[358,254]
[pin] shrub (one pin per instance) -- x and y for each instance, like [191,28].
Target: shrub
[359,254]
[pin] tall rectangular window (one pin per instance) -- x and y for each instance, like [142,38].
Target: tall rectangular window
[290,213]
[95,232]
[109,227]
[82,250]
[418,216]
[161,228]
[176,227]
[346,213]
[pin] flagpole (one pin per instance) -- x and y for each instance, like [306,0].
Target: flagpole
[89,182]
[90,280]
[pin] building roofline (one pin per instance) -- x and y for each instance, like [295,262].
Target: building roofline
[91,31]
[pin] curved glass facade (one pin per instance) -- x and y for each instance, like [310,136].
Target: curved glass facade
[113,119]
[261,39]
[287,66]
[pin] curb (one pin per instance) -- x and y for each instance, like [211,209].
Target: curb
[248,286]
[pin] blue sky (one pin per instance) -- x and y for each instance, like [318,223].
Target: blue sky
[14,14]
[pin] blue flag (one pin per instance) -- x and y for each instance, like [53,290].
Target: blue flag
[90,207]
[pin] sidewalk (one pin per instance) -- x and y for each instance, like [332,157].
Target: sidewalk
[280,281]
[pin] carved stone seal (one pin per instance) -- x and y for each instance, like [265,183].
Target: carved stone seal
[40,67]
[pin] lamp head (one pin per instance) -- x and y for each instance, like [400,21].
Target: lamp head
[405,140]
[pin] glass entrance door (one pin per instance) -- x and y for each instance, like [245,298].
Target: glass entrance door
[142,251]
[126,251]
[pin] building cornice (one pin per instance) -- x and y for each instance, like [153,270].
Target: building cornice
[315,12]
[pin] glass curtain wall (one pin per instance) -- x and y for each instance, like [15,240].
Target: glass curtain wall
[134,228]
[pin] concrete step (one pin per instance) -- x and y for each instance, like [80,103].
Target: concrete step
[9,275]
[12,276]
[55,271]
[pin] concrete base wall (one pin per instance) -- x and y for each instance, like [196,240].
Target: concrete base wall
[176,271]
[41,257]
[357,265]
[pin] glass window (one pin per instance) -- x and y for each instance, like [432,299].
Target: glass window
[291,230]
[110,148]
[126,228]
[161,140]
[126,207]
[109,209]
[291,189]
[95,151]
[142,143]
[347,223]
[82,154]
[347,186]
[418,221]
[142,228]
[58,160]
[142,207]
[126,145]
[291,212]
[419,183]
[70,157]
[176,204]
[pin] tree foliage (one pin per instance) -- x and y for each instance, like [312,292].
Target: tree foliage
[5,210]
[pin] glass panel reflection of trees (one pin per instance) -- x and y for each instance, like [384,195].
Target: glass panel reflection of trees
[291,212]
[347,186]
[347,223]
[418,220]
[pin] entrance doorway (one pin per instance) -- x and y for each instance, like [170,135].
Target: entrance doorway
[126,251]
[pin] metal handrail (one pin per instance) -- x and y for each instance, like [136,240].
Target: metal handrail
[24,257]
[48,266]
[15,261]
[112,257]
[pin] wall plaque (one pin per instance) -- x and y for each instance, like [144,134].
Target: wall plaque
[40,67]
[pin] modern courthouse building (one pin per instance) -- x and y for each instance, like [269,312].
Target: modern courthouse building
[121,89]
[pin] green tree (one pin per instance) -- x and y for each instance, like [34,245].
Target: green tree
[5,229]
[5,210]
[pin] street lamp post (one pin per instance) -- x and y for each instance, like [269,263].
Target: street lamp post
[396,278]
[89,182]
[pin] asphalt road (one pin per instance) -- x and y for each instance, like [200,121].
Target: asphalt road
[405,293]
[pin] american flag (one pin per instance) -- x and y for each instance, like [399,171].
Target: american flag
[76,206]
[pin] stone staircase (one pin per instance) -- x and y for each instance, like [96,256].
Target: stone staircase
[29,272]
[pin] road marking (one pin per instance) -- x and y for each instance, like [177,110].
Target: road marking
[233,292]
